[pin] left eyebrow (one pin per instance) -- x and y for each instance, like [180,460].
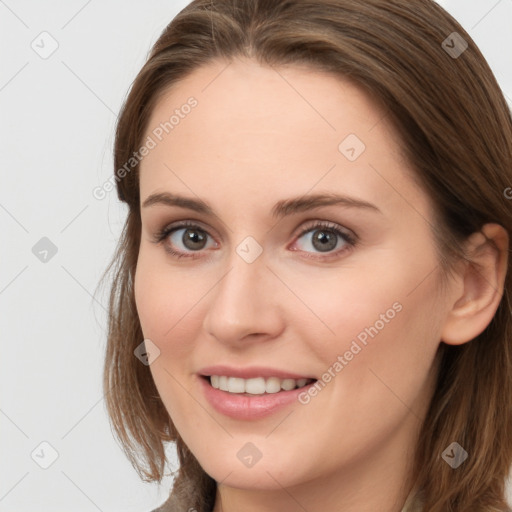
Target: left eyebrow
[304,203]
[280,209]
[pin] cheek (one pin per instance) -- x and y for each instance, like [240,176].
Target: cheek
[380,306]
[372,304]
[167,303]
[379,331]
[167,309]
[387,338]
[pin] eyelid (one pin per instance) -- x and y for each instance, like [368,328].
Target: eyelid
[167,229]
[350,239]
[347,235]
[316,223]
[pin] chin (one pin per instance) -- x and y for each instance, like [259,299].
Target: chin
[262,476]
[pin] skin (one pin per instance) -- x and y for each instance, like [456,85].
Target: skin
[257,136]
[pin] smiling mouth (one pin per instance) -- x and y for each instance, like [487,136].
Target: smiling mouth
[255,386]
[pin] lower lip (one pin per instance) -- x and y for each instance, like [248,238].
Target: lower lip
[246,407]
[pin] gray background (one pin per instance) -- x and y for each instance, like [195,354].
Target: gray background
[57,122]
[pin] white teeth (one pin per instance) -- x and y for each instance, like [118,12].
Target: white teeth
[288,384]
[236,385]
[273,385]
[255,386]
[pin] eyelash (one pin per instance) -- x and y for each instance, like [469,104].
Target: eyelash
[350,240]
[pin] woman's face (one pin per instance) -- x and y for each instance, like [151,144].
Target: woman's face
[307,254]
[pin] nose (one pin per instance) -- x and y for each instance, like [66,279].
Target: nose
[244,306]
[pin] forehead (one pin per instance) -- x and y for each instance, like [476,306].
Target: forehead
[277,129]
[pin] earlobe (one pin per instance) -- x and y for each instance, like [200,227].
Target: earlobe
[482,280]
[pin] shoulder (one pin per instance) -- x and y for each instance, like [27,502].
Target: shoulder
[169,506]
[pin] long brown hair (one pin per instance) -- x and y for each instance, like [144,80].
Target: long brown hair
[456,130]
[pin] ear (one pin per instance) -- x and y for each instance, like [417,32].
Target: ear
[479,286]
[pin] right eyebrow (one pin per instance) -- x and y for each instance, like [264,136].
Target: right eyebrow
[168,199]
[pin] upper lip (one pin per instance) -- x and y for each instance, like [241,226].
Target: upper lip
[250,372]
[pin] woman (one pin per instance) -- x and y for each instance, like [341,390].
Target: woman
[312,290]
